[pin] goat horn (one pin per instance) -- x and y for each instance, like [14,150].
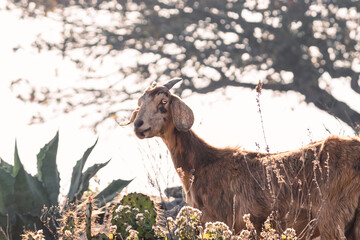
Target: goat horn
[153,84]
[172,82]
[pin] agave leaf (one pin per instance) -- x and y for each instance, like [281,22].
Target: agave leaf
[5,224]
[6,191]
[6,166]
[7,202]
[17,162]
[86,176]
[29,194]
[48,173]
[76,178]
[111,191]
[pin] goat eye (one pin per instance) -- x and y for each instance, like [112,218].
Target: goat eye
[164,101]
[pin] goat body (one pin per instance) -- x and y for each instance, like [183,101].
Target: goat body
[318,184]
[314,189]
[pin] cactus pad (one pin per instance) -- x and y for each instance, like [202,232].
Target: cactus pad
[136,211]
[140,201]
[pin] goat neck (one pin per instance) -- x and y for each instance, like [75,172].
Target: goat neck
[188,151]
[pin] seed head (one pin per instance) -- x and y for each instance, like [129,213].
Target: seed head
[258,87]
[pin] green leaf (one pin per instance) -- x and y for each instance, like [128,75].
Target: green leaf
[6,166]
[29,193]
[17,162]
[7,200]
[48,173]
[76,178]
[111,191]
[86,176]
[6,191]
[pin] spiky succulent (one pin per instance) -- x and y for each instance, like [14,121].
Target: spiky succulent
[136,211]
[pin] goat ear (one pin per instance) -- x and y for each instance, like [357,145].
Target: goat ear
[182,115]
[132,118]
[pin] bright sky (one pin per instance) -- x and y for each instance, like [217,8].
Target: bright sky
[225,117]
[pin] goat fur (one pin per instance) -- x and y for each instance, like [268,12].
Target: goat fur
[314,189]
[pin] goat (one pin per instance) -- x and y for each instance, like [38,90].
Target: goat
[314,189]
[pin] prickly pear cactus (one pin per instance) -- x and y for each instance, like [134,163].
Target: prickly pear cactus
[136,211]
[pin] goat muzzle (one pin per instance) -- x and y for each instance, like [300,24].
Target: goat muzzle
[141,133]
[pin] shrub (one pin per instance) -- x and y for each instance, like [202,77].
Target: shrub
[133,219]
[23,196]
[187,226]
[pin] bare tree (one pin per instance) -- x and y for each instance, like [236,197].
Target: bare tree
[212,44]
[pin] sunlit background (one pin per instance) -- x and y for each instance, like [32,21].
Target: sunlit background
[74,65]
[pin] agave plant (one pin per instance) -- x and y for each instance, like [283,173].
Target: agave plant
[23,196]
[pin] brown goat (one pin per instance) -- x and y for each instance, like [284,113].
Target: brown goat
[314,189]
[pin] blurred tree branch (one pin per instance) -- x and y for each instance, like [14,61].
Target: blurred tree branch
[213,44]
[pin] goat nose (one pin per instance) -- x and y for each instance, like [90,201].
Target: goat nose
[138,123]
